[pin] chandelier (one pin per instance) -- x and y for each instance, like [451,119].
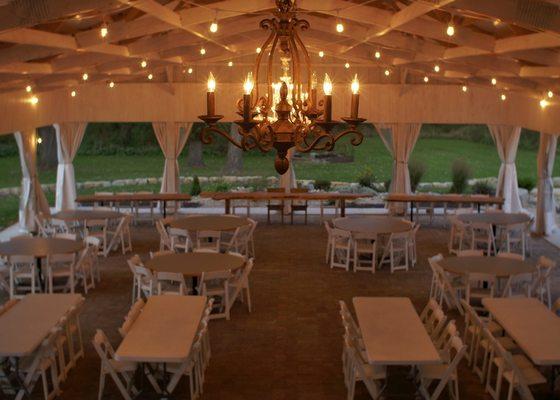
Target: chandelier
[288,115]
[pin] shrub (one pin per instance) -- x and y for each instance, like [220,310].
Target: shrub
[195,188]
[387,185]
[222,187]
[526,183]
[322,184]
[461,172]
[483,187]
[416,169]
[366,178]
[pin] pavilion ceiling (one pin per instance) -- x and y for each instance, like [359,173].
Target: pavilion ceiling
[50,44]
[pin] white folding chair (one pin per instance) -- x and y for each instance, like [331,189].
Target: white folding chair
[328,227]
[215,284]
[397,251]
[412,244]
[171,283]
[23,275]
[479,286]
[143,279]
[209,240]
[364,244]
[164,238]
[61,267]
[94,244]
[482,234]
[457,234]
[98,228]
[541,285]
[341,249]
[515,238]
[238,285]
[179,239]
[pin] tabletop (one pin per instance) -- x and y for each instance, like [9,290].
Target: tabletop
[373,225]
[497,218]
[39,246]
[497,266]
[164,331]
[447,198]
[194,264]
[283,195]
[393,333]
[24,326]
[133,197]
[209,222]
[84,215]
[534,327]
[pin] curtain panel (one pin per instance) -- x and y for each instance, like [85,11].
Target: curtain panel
[546,207]
[32,200]
[69,136]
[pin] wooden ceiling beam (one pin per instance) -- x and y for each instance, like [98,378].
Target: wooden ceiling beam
[27,68]
[37,37]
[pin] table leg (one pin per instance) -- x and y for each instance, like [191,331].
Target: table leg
[40,273]
[411,211]
[194,281]
[478,207]
[342,207]
[227,206]
[164,208]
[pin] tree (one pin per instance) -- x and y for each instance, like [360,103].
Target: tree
[47,151]
[234,162]
[194,148]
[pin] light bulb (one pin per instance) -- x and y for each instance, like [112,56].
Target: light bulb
[339,27]
[436,68]
[450,30]
[464,88]
[347,65]
[104,31]
[143,63]
[494,81]
[550,94]
[34,100]
[190,70]
[387,72]
[202,51]
[214,27]
[497,22]
[377,55]
[211,83]
[150,76]
[111,84]
[503,97]
[258,50]
[327,85]
[230,64]
[543,103]
[321,54]
[39,140]
[355,86]
[28,88]
[248,84]
[85,76]
[73,93]
[426,79]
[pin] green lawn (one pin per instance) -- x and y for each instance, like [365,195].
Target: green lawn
[437,153]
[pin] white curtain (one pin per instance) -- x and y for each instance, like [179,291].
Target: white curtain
[32,200]
[288,180]
[172,137]
[507,139]
[546,207]
[69,136]
[400,140]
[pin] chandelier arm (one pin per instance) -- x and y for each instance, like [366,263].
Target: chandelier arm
[258,64]
[316,144]
[295,71]
[269,69]
[357,138]
[306,58]
[207,138]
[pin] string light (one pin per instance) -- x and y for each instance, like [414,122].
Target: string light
[494,81]
[503,97]
[543,103]
[34,100]
[111,84]
[321,54]
[339,27]
[377,55]
[258,50]
[104,30]
[202,51]
[214,26]
[143,63]
[73,93]
[497,22]
[450,30]
[85,76]
[190,70]
[230,64]
[39,139]
[28,88]
[387,72]
[464,88]
[436,68]
[150,77]
[426,79]
[550,94]
[347,65]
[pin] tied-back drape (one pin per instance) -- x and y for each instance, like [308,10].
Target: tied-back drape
[507,139]
[546,207]
[400,140]
[172,137]
[288,180]
[69,136]
[32,200]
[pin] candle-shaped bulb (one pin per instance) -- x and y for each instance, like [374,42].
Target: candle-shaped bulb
[313,80]
[248,84]
[355,86]
[211,83]
[327,85]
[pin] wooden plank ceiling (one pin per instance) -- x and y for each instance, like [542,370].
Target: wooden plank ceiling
[51,44]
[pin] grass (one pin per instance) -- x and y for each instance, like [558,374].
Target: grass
[437,153]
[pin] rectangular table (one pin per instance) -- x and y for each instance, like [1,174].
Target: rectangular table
[531,324]
[24,326]
[393,333]
[442,198]
[164,331]
[262,196]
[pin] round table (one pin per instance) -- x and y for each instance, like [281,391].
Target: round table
[500,267]
[209,223]
[372,225]
[87,215]
[496,219]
